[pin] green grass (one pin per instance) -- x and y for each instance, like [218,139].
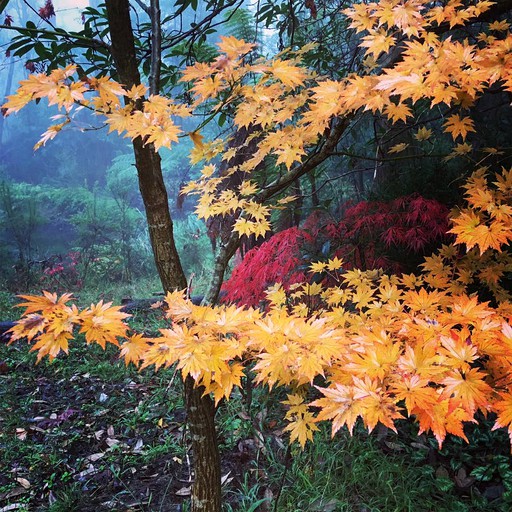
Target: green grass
[353,474]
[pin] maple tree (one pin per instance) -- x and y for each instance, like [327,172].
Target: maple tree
[423,345]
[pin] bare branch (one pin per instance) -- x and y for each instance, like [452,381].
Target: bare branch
[144,7]
[156,47]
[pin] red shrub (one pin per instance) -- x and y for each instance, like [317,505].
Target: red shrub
[371,234]
[278,260]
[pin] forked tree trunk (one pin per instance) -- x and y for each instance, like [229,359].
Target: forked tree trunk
[206,490]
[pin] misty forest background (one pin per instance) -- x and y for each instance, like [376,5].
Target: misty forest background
[71,216]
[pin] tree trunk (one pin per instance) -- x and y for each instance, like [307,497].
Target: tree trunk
[206,491]
[147,161]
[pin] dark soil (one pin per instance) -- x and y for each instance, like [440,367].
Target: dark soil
[76,439]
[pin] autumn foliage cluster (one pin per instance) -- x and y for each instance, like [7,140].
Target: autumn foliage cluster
[362,344]
[370,235]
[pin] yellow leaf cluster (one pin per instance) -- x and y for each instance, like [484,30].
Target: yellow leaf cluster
[487,221]
[49,322]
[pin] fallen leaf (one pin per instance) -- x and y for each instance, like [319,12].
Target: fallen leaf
[138,446]
[21,434]
[23,482]
[95,456]
[91,470]
[13,506]
[110,441]
[12,493]
[184,491]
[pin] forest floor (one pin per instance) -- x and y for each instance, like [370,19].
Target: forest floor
[85,433]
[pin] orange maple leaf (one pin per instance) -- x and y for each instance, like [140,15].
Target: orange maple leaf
[503,408]
[443,418]
[459,126]
[44,304]
[103,323]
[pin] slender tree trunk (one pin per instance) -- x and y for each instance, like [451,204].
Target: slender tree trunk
[147,161]
[206,491]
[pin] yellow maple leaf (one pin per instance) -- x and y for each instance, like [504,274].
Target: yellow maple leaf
[458,351]
[15,102]
[469,388]
[109,92]
[134,349]
[28,327]
[222,386]
[234,47]
[398,148]
[417,393]
[301,428]
[276,295]
[45,304]
[103,323]
[50,134]
[162,352]
[423,133]
[378,41]
[51,344]
[408,86]
[137,92]
[397,112]
[248,188]
[334,264]
[163,135]
[499,25]
[459,126]
[120,120]
[287,73]
[209,87]
[424,301]
[470,230]
[380,408]
[318,267]
[248,227]
[340,405]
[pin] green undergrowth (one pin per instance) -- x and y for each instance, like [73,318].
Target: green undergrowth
[85,433]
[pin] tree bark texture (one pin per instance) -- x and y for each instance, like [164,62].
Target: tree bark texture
[206,491]
[147,161]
